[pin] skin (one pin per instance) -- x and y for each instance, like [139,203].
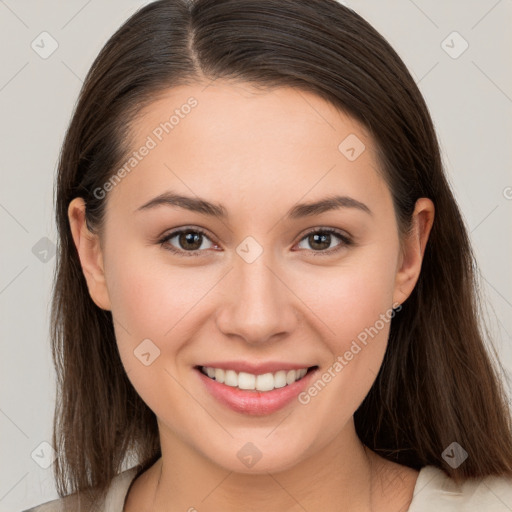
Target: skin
[258,154]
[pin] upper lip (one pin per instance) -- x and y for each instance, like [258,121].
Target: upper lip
[255,368]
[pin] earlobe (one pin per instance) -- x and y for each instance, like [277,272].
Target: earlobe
[413,250]
[89,251]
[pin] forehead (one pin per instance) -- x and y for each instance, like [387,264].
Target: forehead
[233,141]
[237,111]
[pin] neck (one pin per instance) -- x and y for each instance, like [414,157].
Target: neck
[338,477]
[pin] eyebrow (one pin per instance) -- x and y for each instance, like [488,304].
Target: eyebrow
[202,206]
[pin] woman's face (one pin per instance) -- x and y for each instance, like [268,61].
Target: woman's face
[271,284]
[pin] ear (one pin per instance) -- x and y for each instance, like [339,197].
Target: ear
[413,249]
[90,254]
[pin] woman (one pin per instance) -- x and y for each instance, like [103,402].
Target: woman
[321,349]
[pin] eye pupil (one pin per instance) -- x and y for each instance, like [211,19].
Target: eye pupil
[190,242]
[324,240]
[190,238]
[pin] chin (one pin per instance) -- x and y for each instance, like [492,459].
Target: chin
[258,454]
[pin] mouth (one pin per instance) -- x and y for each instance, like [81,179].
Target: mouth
[255,393]
[251,382]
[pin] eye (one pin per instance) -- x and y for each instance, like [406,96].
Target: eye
[320,241]
[190,241]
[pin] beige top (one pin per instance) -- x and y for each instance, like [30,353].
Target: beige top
[433,491]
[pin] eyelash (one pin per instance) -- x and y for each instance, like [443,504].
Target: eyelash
[346,241]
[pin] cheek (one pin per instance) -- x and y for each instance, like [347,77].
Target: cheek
[350,298]
[157,301]
[150,304]
[353,306]
[150,297]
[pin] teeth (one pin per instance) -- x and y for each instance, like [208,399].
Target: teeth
[248,381]
[219,375]
[280,379]
[265,382]
[230,378]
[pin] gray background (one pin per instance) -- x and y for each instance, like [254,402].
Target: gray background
[469,95]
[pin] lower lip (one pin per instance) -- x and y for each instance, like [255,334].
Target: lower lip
[257,403]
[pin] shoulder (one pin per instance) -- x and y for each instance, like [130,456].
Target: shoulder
[435,488]
[114,500]
[60,505]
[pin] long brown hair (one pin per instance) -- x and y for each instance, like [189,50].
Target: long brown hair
[437,384]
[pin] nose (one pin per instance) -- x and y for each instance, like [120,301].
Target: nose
[259,305]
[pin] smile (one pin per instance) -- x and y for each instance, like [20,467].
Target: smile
[252,382]
[255,393]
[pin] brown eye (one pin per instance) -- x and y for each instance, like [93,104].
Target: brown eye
[323,241]
[189,242]
[320,241]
